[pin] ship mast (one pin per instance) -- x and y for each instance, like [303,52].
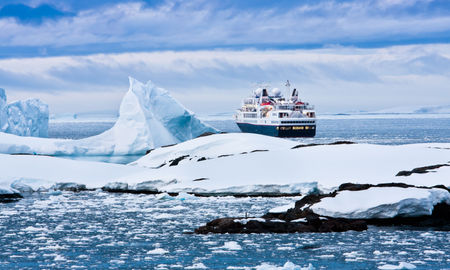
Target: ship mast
[288,90]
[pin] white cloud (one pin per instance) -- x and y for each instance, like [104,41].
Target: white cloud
[335,79]
[203,24]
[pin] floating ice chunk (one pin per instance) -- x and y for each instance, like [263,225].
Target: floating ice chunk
[164,196]
[116,186]
[401,265]
[197,266]
[21,187]
[282,209]
[157,251]
[351,254]
[435,251]
[287,266]
[185,196]
[59,257]
[231,245]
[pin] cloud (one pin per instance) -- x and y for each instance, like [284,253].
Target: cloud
[335,79]
[196,25]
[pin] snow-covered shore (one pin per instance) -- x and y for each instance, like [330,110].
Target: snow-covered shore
[250,164]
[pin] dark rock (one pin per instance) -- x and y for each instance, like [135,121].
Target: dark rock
[442,187]
[354,187]
[208,133]
[160,166]
[200,179]
[224,156]
[148,151]
[438,220]
[314,224]
[342,225]
[177,160]
[401,185]
[201,159]
[169,145]
[421,170]
[221,225]
[317,144]
[10,197]
[341,142]
[258,150]
[115,187]
[70,186]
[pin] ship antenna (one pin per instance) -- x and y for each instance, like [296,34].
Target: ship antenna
[288,89]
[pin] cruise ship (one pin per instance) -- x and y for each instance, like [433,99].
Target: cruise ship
[269,113]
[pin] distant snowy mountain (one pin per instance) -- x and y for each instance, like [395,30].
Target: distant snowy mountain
[417,110]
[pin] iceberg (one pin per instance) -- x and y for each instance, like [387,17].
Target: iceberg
[23,118]
[148,118]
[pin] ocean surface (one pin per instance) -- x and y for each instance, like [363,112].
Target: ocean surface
[98,230]
[370,129]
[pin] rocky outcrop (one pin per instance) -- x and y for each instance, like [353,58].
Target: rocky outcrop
[302,218]
[318,144]
[10,197]
[421,170]
[312,223]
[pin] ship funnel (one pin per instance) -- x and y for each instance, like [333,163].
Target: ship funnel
[264,93]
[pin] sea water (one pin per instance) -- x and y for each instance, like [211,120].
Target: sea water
[97,230]
[379,129]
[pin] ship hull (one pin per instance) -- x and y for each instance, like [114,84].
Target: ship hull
[279,131]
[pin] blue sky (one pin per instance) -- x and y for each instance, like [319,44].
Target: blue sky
[376,54]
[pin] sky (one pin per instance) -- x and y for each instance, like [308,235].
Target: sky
[76,55]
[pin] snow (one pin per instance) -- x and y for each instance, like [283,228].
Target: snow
[282,209]
[381,202]
[148,118]
[246,220]
[285,170]
[215,146]
[43,171]
[281,170]
[23,118]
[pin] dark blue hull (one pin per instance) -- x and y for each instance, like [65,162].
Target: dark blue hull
[279,131]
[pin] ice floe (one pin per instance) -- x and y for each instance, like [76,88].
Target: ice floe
[401,265]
